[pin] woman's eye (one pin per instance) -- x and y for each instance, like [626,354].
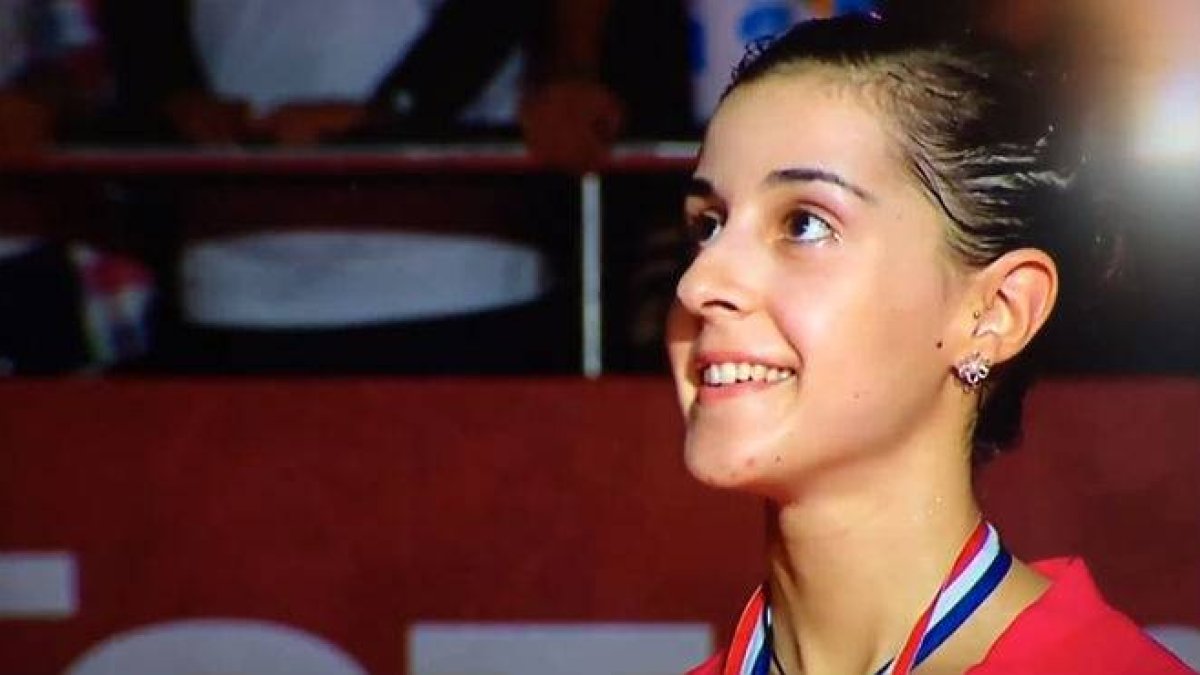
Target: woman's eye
[808,227]
[704,227]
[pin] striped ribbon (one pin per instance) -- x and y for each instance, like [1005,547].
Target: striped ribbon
[979,568]
[750,652]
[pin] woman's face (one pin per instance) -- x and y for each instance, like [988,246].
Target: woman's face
[812,329]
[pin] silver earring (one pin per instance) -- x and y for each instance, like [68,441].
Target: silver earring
[973,370]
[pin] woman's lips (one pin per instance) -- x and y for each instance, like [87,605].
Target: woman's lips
[719,378]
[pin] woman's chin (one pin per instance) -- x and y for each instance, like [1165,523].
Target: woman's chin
[726,467]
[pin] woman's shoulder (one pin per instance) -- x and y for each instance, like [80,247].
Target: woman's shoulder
[1072,629]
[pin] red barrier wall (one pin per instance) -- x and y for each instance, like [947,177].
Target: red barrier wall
[349,508]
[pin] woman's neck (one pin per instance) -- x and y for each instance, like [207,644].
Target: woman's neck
[851,570]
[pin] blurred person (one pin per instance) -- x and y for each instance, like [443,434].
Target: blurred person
[53,77]
[608,69]
[337,277]
[569,116]
[873,215]
[66,304]
[298,73]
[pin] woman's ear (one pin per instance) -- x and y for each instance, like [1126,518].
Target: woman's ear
[1016,293]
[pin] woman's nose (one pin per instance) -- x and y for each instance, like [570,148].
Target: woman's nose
[719,281]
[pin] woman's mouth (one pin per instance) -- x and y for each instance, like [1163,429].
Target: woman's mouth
[727,379]
[725,374]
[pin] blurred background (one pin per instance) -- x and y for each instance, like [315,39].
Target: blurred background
[330,331]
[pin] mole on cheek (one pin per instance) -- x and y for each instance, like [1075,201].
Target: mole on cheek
[778,459]
[939,344]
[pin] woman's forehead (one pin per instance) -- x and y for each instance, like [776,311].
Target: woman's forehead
[804,118]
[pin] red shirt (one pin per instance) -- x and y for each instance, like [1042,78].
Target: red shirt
[1070,630]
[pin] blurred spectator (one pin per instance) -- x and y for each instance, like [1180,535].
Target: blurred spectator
[578,72]
[70,307]
[52,71]
[369,278]
[64,306]
[298,72]
[569,117]
[606,70]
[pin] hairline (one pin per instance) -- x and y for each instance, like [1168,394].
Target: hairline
[869,83]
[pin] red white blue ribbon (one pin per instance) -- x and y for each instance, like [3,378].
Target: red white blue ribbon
[979,568]
[750,651]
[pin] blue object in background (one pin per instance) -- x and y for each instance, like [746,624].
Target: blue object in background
[763,20]
[697,54]
[856,7]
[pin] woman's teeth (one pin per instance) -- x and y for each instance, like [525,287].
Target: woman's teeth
[732,373]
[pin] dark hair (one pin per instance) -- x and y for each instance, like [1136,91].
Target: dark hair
[977,132]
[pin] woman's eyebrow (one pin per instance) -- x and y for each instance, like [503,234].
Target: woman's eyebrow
[699,187]
[806,175]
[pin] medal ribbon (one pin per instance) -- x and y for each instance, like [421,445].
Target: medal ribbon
[979,568]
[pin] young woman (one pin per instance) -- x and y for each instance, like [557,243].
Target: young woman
[847,344]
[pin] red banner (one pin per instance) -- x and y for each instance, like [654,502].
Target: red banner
[351,510]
